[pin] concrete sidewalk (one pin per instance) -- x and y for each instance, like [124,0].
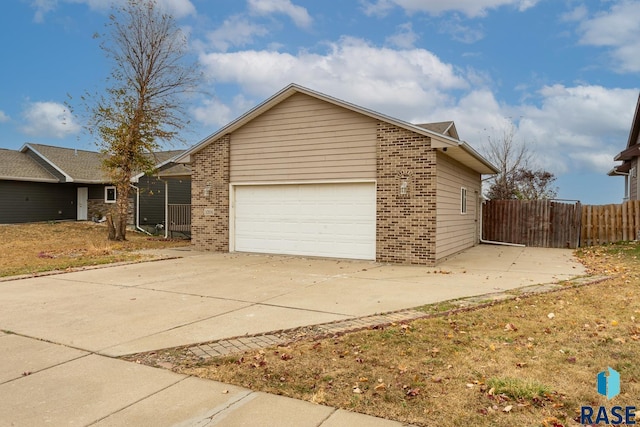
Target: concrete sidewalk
[66,326]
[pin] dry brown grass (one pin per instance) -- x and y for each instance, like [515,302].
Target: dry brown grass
[34,248]
[531,361]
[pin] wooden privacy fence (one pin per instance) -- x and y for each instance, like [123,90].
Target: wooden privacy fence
[610,223]
[541,223]
[551,224]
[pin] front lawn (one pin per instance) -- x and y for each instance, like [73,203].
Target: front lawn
[39,247]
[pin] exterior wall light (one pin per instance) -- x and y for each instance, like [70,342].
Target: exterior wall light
[404,188]
[207,189]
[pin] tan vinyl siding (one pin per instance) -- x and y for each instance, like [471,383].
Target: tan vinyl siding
[304,139]
[455,231]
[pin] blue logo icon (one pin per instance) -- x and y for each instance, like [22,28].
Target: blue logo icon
[609,385]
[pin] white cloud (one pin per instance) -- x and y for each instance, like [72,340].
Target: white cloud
[48,119]
[579,127]
[617,29]
[396,82]
[377,8]
[568,127]
[215,113]
[404,38]
[471,8]
[42,7]
[178,8]
[461,32]
[298,14]
[577,14]
[4,117]
[235,31]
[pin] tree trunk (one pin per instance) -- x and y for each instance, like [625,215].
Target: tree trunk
[111,227]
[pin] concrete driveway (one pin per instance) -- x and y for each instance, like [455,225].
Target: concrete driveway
[58,329]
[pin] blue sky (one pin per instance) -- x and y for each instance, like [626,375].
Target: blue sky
[563,72]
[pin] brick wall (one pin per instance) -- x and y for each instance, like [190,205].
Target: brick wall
[406,223]
[210,197]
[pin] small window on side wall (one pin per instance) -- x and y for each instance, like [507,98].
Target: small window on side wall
[463,200]
[110,194]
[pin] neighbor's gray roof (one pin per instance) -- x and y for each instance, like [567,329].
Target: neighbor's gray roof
[18,166]
[443,128]
[81,166]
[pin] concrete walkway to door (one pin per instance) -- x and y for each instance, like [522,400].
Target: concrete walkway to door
[65,328]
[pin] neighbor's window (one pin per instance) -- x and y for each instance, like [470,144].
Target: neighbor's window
[463,200]
[110,194]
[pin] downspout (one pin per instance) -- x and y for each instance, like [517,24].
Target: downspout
[138,210]
[491,242]
[166,208]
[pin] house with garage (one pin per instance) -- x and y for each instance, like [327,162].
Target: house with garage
[308,174]
[629,157]
[48,183]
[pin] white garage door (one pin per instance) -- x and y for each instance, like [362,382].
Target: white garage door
[328,220]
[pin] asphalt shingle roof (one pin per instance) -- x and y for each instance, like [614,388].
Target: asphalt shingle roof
[80,166]
[18,166]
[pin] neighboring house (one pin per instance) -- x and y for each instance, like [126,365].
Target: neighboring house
[630,162]
[47,183]
[304,173]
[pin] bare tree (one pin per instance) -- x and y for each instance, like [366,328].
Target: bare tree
[144,102]
[509,156]
[535,184]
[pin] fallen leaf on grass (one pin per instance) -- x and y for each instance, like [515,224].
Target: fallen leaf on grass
[551,315]
[381,386]
[413,392]
[507,408]
[357,390]
[286,356]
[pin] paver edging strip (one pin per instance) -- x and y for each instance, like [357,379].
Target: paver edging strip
[189,351]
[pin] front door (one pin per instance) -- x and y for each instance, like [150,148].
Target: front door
[83,202]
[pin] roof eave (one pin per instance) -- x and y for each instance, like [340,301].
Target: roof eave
[28,146]
[28,179]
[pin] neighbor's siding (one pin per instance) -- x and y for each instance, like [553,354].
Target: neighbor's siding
[304,139]
[152,198]
[455,231]
[36,201]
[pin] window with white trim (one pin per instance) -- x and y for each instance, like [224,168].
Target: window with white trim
[110,194]
[463,200]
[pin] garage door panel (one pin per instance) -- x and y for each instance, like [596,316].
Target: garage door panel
[331,220]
